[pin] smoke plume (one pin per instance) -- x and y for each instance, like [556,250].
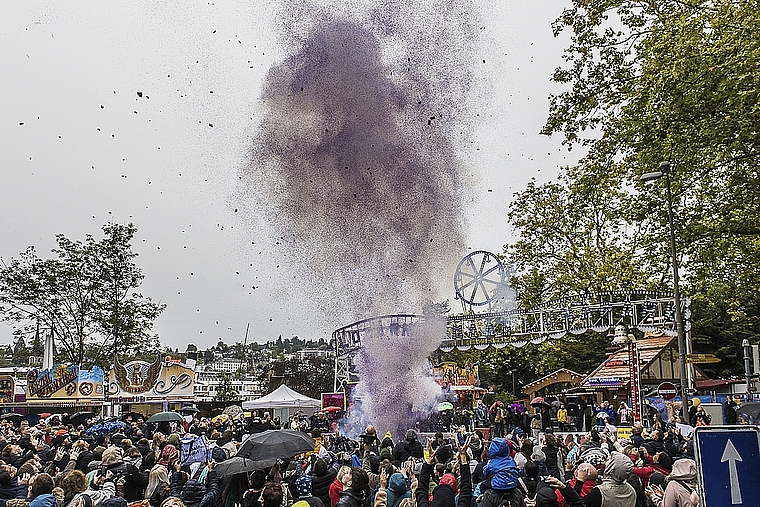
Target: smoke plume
[355,165]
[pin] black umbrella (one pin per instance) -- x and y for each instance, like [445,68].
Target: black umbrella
[134,416]
[189,409]
[240,464]
[32,418]
[751,411]
[276,444]
[13,416]
[165,417]
[81,417]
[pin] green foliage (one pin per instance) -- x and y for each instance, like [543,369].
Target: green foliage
[225,391]
[21,352]
[500,367]
[310,377]
[87,294]
[647,82]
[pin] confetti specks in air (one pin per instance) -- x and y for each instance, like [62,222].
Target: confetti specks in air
[354,190]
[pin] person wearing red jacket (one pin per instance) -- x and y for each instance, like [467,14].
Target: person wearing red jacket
[583,481]
[660,462]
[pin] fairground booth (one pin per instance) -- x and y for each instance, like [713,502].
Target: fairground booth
[460,384]
[657,370]
[145,388]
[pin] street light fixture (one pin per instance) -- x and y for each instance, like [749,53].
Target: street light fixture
[664,170]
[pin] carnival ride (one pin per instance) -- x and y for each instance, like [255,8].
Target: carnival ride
[480,281]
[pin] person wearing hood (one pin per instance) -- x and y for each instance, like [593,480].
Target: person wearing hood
[614,491]
[501,469]
[129,481]
[200,492]
[444,495]
[410,447]
[322,476]
[394,491]
[681,488]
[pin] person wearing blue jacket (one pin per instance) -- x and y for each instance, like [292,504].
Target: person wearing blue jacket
[41,491]
[501,469]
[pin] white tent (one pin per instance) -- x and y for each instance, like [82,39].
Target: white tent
[283,398]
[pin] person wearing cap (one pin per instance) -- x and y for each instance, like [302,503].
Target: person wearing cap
[443,454]
[410,447]
[303,488]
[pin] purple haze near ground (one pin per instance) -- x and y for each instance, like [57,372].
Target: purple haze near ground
[355,166]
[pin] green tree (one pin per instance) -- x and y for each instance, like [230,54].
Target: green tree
[87,294]
[225,391]
[646,82]
[37,348]
[20,351]
[310,377]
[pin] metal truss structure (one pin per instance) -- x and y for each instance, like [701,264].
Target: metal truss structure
[599,311]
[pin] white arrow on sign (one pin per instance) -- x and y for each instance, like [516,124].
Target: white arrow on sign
[731,455]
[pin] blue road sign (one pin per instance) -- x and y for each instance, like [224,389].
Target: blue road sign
[728,465]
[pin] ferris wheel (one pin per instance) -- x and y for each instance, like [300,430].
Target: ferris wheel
[479,279]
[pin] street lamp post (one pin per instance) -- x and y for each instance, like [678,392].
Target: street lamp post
[748,368]
[650,177]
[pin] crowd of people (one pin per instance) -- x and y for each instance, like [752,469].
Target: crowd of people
[53,464]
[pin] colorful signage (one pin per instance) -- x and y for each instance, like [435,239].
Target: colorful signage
[337,400]
[64,381]
[634,374]
[452,374]
[605,381]
[667,391]
[141,381]
[7,389]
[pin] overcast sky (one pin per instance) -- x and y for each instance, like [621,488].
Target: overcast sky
[144,112]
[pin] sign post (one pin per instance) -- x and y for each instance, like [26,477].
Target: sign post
[634,373]
[728,458]
[667,391]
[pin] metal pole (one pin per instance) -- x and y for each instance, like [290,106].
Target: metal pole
[677,296]
[747,368]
